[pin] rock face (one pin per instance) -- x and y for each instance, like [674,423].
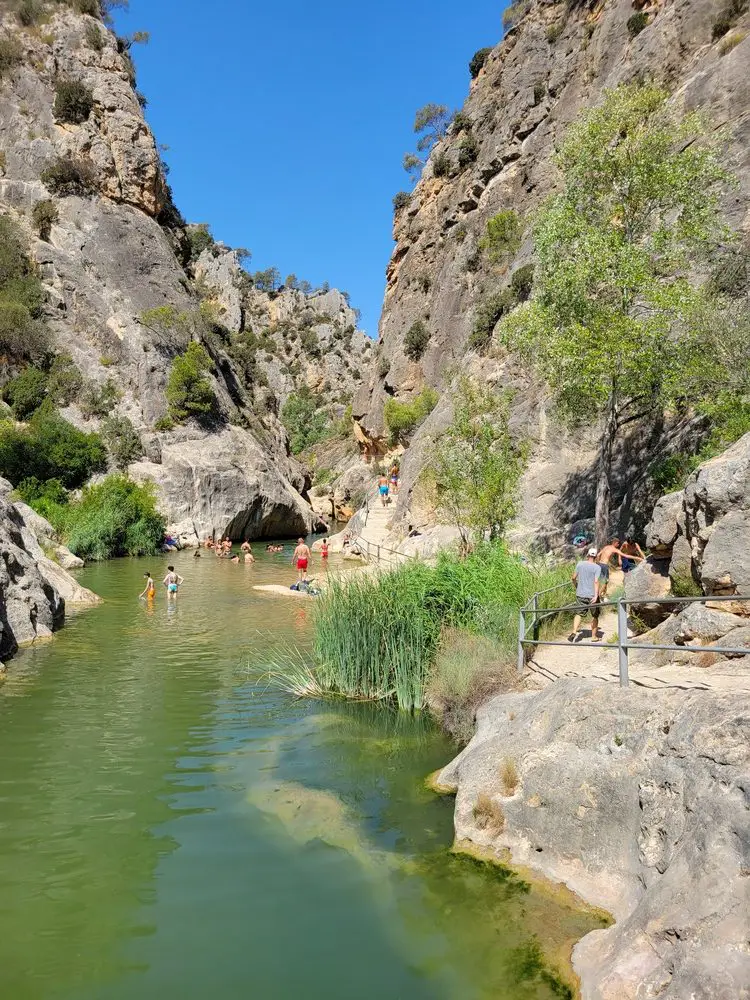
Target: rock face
[554,62]
[118,251]
[638,801]
[33,588]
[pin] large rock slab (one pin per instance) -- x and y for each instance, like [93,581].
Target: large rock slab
[635,799]
[649,579]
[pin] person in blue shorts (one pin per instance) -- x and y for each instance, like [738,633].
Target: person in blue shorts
[172,581]
[383,490]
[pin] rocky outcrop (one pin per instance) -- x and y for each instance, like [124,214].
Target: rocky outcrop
[638,801]
[34,589]
[117,252]
[554,62]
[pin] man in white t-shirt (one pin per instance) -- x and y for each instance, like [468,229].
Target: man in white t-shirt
[586,579]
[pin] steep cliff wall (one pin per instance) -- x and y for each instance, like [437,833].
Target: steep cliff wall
[556,60]
[122,297]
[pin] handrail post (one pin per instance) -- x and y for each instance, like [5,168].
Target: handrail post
[535,608]
[622,637]
[521,637]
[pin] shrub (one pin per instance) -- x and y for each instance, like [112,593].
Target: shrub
[26,392]
[64,381]
[94,37]
[488,815]
[189,392]
[554,31]
[468,669]
[731,11]
[637,22]
[117,517]
[521,282]
[503,235]
[73,102]
[164,423]
[122,440]
[517,10]
[29,12]
[305,420]
[50,448]
[468,151]
[462,122]
[400,201]
[200,239]
[91,7]
[441,165]
[685,586]
[100,400]
[45,497]
[11,54]
[21,336]
[69,175]
[310,343]
[509,776]
[44,216]
[402,418]
[416,340]
[478,60]
[731,41]
[487,316]
[384,366]
[540,89]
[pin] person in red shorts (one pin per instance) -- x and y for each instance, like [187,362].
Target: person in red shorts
[301,559]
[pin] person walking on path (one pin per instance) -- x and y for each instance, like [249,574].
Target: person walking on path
[301,559]
[394,478]
[604,558]
[383,490]
[586,578]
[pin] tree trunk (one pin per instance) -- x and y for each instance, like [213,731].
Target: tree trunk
[604,471]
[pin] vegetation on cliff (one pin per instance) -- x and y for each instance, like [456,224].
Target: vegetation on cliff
[609,326]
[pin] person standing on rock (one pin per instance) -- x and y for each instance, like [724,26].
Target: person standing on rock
[586,579]
[631,554]
[301,559]
[604,558]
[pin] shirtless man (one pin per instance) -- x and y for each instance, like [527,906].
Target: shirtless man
[604,557]
[247,551]
[172,581]
[631,550]
[301,559]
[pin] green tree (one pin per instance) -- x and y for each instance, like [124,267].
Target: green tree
[189,392]
[26,392]
[73,102]
[503,236]
[639,203]
[431,124]
[44,216]
[50,448]
[477,61]
[200,239]
[477,465]
[305,419]
[402,418]
[412,164]
[416,340]
[122,440]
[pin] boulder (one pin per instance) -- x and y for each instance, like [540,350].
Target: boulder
[661,531]
[38,538]
[636,800]
[650,579]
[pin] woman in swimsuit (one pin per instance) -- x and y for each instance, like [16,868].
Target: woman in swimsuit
[172,581]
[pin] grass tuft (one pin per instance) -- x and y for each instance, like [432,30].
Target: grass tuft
[488,815]
[509,776]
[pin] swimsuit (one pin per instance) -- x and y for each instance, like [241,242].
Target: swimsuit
[302,563]
[384,490]
[172,588]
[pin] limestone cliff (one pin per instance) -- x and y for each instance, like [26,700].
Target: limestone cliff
[124,298]
[556,59]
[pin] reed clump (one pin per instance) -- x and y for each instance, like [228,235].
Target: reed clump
[488,815]
[396,635]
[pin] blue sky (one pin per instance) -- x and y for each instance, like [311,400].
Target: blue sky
[286,125]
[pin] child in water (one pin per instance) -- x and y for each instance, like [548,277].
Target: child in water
[172,581]
[149,591]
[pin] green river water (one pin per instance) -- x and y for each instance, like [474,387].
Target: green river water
[169,829]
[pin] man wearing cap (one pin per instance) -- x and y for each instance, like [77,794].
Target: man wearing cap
[586,579]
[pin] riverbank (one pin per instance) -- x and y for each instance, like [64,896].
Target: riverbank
[633,799]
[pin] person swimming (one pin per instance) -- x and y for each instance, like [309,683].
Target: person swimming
[172,581]
[149,591]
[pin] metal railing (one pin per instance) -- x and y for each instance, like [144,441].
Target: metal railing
[623,644]
[374,550]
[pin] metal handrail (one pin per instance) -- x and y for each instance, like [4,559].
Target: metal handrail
[623,644]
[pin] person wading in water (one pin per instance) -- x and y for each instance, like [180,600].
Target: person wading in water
[301,559]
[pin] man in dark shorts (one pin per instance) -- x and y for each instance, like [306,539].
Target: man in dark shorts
[586,579]
[603,559]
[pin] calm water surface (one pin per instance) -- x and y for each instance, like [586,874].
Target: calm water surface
[169,829]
